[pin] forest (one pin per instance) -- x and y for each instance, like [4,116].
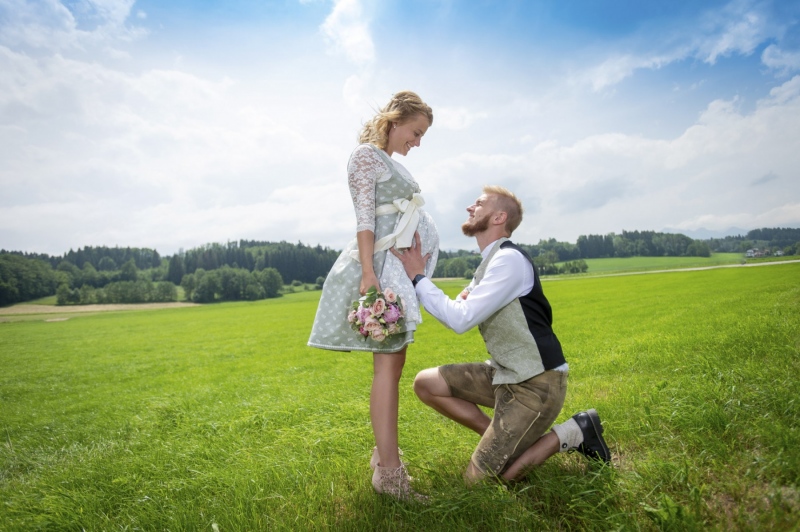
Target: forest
[242,270]
[251,270]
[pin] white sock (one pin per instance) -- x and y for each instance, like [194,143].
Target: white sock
[569,435]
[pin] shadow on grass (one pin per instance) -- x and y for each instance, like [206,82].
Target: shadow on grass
[565,493]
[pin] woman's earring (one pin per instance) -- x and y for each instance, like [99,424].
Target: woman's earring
[395,126]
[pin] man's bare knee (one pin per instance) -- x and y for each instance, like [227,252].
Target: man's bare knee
[421,385]
[426,384]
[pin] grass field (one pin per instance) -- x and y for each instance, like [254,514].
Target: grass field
[218,417]
[633,264]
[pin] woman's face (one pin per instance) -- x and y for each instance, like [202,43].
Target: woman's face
[403,137]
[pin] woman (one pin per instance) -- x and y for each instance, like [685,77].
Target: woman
[387,204]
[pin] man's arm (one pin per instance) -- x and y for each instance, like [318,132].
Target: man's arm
[505,280]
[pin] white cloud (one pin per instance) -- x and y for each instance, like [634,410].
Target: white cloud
[784,93]
[781,216]
[739,28]
[610,182]
[615,69]
[355,90]
[180,222]
[347,29]
[766,178]
[171,153]
[781,60]
[51,25]
[456,118]
[110,157]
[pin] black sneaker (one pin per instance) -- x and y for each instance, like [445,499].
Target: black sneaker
[593,446]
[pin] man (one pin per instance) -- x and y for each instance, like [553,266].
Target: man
[526,379]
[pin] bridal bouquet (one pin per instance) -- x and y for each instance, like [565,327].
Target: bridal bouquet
[377,315]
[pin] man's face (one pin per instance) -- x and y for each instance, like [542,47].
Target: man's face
[480,213]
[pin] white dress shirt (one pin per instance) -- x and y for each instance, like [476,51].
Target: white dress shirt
[508,277]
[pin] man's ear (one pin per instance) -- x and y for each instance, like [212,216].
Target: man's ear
[500,218]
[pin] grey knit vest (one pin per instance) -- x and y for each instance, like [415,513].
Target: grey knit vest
[519,336]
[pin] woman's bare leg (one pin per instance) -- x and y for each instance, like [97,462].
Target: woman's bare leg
[384,401]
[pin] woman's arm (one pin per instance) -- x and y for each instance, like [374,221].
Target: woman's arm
[366,244]
[364,169]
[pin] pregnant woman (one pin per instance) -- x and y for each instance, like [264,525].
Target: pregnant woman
[388,211]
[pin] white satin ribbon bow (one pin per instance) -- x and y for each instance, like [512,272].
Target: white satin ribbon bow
[403,234]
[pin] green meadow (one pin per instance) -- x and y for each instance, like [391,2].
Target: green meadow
[218,417]
[637,264]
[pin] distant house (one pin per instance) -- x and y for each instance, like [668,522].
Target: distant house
[779,253]
[750,253]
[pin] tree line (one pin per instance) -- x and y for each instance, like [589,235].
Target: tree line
[293,261]
[553,257]
[641,244]
[464,263]
[786,240]
[231,284]
[103,274]
[86,285]
[250,269]
[99,275]
[296,262]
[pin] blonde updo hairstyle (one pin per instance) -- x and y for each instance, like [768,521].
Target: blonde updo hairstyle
[403,106]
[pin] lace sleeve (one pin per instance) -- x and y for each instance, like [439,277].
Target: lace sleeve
[363,171]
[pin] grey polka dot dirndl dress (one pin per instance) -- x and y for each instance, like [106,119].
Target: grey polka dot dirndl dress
[375,180]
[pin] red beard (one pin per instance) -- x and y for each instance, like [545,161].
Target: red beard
[474,227]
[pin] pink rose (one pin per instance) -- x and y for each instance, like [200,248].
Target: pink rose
[391,314]
[372,325]
[390,296]
[378,307]
[379,335]
[393,328]
[351,316]
[363,314]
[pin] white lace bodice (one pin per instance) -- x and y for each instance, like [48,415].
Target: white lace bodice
[364,170]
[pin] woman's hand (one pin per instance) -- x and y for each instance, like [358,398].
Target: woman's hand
[368,280]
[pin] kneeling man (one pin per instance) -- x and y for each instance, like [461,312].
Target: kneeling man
[525,381]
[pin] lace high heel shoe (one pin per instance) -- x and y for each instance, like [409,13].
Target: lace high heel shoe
[395,482]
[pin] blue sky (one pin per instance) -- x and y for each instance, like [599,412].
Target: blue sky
[175,124]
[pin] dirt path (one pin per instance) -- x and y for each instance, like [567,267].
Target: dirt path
[698,268]
[27,308]
[644,272]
